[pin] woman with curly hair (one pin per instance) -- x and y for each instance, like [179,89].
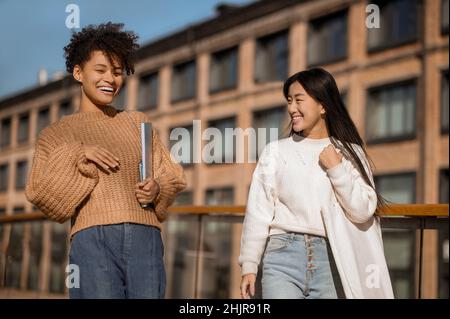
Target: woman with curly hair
[86,168]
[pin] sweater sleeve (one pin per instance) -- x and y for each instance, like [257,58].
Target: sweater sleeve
[61,177]
[358,199]
[259,212]
[168,174]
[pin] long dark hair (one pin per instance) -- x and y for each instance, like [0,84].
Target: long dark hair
[321,86]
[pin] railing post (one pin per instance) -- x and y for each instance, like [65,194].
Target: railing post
[199,256]
[421,228]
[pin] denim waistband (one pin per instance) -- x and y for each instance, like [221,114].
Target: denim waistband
[302,237]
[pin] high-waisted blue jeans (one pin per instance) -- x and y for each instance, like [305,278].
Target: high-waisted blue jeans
[299,266]
[118,261]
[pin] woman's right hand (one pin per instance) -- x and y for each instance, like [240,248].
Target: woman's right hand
[248,286]
[101,157]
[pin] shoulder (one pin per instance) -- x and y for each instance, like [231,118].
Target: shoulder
[137,116]
[55,131]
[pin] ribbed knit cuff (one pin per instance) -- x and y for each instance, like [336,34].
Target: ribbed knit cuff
[249,268]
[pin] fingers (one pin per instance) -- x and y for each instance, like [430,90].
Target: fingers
[109,154]
[98,161]
[102,157]
[146,183]
[252,288]
[107,161]
[248,286]
[143,192]
[244,290]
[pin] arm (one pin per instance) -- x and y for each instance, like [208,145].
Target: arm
[61,177]
[259,213]
[358,199]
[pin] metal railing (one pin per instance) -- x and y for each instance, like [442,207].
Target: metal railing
[414,216]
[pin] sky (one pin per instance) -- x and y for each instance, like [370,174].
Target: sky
[33,33]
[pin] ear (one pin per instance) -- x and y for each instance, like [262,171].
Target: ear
[77,74]
[322,110]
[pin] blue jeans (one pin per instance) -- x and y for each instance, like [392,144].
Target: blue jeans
[297,266]
[118,261]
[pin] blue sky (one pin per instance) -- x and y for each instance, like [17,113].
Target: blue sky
[33,33]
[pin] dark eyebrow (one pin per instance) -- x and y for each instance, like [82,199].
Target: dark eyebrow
[298,94]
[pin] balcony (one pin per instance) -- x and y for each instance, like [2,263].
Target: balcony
[201,249]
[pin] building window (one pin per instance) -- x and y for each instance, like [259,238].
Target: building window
[219,196]
[399,248]
[399,244]
[4,175]
[43,119]
[182,144]
[443,238]
[221,144]
[327,38]
[14,253]
[223,70]
[22,134]
[21,175]
[444,16]
[2,213]
[397,188]
[443,186]
[270,125]
[444,102]
[148,91]
[65,108]
[58,258]
[35,256]
[391,112]
[217,240]
[184,198]
[120,99]
[272,58]
[398,24]
[5,136]
[344,98]
[184,81]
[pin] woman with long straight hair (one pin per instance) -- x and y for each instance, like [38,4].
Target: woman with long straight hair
[311,212]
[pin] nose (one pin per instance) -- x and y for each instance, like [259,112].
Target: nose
[291,108]
[108,77]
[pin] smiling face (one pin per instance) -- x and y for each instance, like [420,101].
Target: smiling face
[307,115]
[100,80]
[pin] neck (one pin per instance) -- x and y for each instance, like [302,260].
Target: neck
[87,105]
[319,132]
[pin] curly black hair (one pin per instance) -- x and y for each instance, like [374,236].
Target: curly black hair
[107,37]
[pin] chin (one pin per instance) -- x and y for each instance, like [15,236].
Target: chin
[103,102]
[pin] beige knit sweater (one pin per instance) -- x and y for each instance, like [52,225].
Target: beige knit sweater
[64,184]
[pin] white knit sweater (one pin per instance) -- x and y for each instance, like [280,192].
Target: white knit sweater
[285,195]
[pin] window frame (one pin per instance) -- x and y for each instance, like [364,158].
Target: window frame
[396,138]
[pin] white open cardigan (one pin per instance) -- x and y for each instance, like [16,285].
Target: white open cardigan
[347,211]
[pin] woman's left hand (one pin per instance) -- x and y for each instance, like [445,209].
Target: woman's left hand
[329,157]
[147,191]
